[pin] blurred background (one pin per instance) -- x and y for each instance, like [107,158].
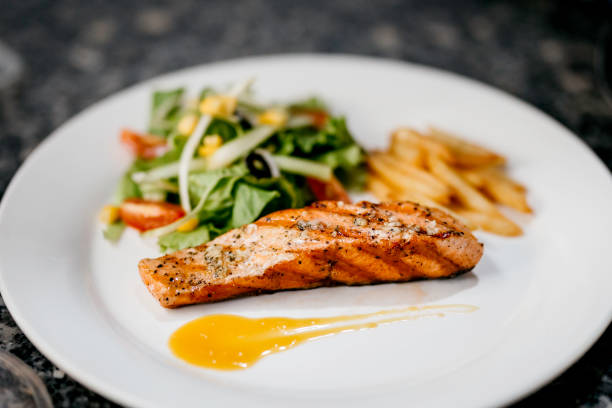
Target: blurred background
[58,57]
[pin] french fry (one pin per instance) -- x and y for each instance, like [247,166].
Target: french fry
[496,223]
[467,194]
[414,139]
[465,154]
[474,177]
[383,192]
[400,180]
[415,197]
[499,174]
[498,187]
[504,192]
[438,187]
[439,170]
[408,154]
[378,187]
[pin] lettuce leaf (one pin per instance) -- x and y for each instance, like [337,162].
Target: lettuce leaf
[114,231]
[332,145]
[308,141]
[249,203]
[349,166]
[179,240]
[353,179]
[226,129]
[170,156]
[221,182]
[346,157]
[126,189]
[165,111]
[312,103]
[293,190]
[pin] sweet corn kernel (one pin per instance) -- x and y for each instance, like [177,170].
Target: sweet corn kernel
[218,105]
[274,117]
[213,140]
[205,151]
[187,124]
[109,214]
[210,145]
[188,225]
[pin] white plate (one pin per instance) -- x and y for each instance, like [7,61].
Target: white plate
[543,298]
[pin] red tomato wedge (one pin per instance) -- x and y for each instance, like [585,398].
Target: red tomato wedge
[330,190]
[145,215]
[143,145]
[319,117]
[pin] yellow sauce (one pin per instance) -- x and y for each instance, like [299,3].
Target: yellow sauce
[231,342]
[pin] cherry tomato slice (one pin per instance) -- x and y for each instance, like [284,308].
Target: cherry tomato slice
[319,117]
[330,190]
[142,145]
[145,215]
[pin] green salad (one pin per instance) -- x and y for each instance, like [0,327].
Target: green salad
[208,164]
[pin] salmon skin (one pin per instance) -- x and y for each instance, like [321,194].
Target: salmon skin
[328,243]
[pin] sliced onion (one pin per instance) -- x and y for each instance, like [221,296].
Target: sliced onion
[304,167]
[186,156]
[166,171]
[163,185]
[236,148]
[299,121]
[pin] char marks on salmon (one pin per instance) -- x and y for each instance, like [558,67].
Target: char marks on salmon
[327,243]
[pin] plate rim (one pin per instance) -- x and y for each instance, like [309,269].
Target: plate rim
[116,394]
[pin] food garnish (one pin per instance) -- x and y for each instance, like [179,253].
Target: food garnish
[208,165]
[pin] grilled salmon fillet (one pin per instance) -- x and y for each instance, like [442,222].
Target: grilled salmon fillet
[328,243]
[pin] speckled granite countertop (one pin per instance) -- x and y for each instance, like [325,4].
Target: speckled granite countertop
[76,53]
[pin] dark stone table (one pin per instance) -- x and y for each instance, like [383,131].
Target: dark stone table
[77,52]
